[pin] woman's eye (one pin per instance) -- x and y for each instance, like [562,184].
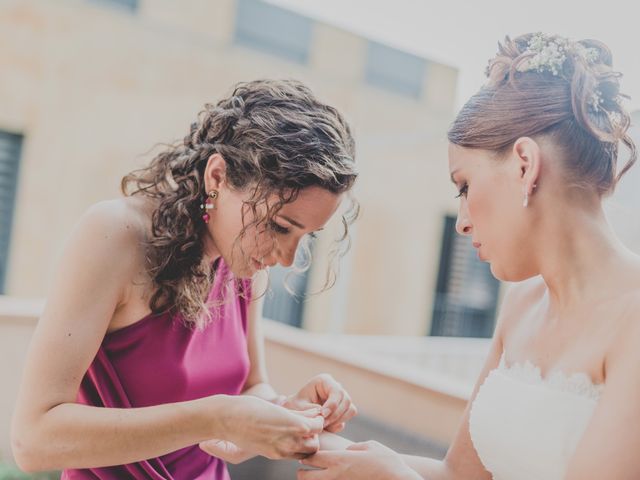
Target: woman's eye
[463,191]
[278,228]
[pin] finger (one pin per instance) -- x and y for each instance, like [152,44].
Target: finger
[331,405]
[310,412]
[225,450]
[308,446]
[341,410]
[335,428]
[301,405]
[302,456]
[313,425]
[216,447]
[352,412]
[312,475]
[340,422]
[321,459]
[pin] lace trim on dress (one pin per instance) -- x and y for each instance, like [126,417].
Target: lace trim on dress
[578,383]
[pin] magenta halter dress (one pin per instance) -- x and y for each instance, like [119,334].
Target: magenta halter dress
[159,360]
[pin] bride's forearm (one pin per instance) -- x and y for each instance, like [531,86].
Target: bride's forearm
[428,468]
[331,441]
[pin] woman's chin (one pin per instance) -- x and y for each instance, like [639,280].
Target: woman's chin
[511,274]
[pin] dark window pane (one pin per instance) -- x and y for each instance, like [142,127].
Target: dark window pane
[395,70]
[273,30]
[128,5]
[466,291]
[10,146]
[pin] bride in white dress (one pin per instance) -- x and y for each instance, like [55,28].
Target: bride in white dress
[532,154]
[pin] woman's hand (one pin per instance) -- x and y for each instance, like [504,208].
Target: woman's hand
[225,450]
[231,453]
[324,390]
[361,461]
[257,427]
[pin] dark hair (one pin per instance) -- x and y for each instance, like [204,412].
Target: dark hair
[577,103]
[275,138]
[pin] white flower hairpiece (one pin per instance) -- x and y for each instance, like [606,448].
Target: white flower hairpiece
[548,53]
[596,100]
[545,54]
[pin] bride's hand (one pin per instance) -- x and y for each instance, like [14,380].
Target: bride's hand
[361,461]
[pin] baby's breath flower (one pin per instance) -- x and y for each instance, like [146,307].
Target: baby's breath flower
[548,54]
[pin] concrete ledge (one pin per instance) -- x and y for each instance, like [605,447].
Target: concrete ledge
[418,385]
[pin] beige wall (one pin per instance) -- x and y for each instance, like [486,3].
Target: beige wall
[93,88]
[17,322]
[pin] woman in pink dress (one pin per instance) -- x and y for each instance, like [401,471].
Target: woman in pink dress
[148,355]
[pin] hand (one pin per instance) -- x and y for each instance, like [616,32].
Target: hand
[361,461]
[225,450]
[257,427]
[324,390]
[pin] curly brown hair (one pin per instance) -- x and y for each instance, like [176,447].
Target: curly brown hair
[519,102]
[275,138]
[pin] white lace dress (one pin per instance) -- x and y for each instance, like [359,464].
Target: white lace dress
[525,427]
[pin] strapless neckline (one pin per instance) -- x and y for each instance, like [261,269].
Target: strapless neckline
[579,383]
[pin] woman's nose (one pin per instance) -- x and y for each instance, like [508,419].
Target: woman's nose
[463,224]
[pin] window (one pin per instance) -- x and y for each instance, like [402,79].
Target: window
[273,30]
[466,291]
[128,5]
[10,146]
[395,70]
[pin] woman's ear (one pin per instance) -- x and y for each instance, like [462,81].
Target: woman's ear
[528,156]
[215,173]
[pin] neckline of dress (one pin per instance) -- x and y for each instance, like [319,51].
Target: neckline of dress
[579,383]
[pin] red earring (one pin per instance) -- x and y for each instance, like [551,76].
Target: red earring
[208,205]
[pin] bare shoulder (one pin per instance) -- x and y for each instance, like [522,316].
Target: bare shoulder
[112,233]
[519,298]
[120,219]
[118,225]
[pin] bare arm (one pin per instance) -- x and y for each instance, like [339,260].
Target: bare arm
[257,383]
[51,431]
[609,447]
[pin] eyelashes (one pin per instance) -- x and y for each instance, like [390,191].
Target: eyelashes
[463,191]
[276,227]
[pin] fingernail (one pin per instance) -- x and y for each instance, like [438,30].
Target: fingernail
[326,412]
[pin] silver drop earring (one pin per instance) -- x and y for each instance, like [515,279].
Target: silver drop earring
[525,203]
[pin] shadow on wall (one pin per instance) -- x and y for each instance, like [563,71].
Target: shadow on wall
[359,429]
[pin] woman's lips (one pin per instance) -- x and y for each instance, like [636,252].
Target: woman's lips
[477,246]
